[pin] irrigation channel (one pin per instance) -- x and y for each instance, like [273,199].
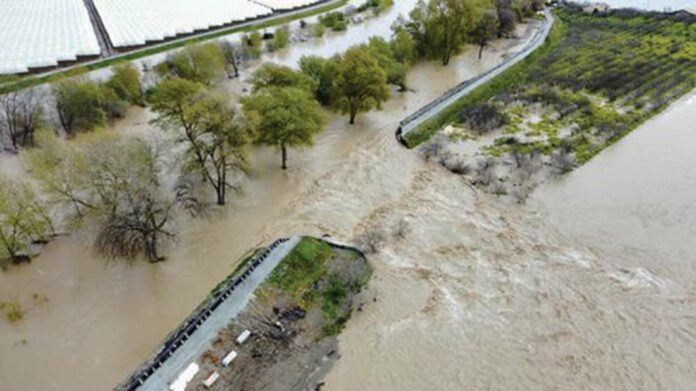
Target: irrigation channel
[433,108]
[473,293]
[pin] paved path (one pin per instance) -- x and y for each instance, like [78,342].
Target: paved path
[232,305]
[433,108]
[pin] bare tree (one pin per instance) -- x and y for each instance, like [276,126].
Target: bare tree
[113,182]
[20,115]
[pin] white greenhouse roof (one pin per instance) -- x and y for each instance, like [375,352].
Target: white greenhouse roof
[134,22]
[39,33]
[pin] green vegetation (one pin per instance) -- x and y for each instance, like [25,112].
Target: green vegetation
[200,63]
[597,76]
[335,21]
[361,83]
[125,82]
[273,75]
[13,311]
[312,275]
[281,39]
[15,83]
[213,135]
[110,182]
[305,265]
[377,6]
[284,117]
[22,219]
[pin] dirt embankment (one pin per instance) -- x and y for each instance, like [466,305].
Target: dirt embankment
[294,320]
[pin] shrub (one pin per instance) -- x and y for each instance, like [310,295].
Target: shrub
[483,117]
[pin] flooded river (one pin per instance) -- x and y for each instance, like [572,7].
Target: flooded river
[471,292]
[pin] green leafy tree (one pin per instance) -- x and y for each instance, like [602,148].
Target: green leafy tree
[273,75]
[214,136]
[381,50]
[22,219]
[80,104]
[323,72]
[202,63]
[253,44]
[402,45]
[125,82]
[441,27]
[280,39]
[361,83]
[486,30]
[284,117]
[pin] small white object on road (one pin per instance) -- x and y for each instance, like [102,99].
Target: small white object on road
[243,337]
[211,380]
[229,358]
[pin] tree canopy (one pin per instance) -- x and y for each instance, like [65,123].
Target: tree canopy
[274,75]
[22,219]
[361,83]
[441,27]
[284,117]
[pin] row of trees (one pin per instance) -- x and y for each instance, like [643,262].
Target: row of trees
[441,28]
[120,184]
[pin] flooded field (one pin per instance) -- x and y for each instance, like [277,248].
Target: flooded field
[472,292]
[638,197]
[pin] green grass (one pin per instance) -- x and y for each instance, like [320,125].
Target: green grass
[13,83]
[304,266]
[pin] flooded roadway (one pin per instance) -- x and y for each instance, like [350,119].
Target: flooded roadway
[473,294]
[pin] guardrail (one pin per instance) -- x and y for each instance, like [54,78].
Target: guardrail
[177,338]
[433,108]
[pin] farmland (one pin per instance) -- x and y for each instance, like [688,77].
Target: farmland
[597,78]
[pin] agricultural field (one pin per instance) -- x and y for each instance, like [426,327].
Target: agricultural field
[596,79]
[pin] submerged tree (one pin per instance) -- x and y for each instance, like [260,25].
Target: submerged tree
[111,182]
[274,75]
[284,117]
[441,27]
[323,72]
[80,104]
[125,82]
[485,31]
[203,63]
[382,51]
[20,115]
[361,83]
[215,137]
[22,219]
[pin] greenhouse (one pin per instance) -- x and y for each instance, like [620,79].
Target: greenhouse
[39,33]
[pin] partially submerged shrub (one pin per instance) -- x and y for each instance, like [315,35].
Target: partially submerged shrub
[371,241]
[13,311]
[483,117]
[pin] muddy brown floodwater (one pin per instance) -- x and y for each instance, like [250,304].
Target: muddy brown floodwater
[472,292]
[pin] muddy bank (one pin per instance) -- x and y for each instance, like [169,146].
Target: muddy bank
[294,320]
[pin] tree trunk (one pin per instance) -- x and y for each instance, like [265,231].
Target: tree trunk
[446,59]
[480,51]
[220,188]
[151,248]
[353,114]
[285,156]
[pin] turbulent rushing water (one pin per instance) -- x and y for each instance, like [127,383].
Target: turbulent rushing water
[475,294]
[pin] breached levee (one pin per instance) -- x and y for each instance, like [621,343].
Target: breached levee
[297,292]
